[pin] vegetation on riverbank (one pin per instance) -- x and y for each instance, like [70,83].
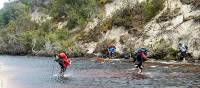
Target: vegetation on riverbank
[40,27]
[22,35]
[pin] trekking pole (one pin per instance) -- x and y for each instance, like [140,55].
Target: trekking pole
[52,70]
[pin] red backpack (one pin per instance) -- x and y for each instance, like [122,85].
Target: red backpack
[67,61]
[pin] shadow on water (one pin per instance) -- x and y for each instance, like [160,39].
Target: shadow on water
[41,72]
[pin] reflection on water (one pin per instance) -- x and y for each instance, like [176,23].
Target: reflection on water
[41,72]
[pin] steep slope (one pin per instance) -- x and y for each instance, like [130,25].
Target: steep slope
[175,23]
[181,27]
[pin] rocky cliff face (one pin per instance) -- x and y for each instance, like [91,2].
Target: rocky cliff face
[180,27]
[176,23]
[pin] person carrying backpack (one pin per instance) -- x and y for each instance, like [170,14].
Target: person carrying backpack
[111,50]
[63,61]
[140,57]
[183,48]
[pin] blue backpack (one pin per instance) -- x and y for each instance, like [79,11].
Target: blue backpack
[138,50]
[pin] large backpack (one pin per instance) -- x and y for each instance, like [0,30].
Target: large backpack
[137,52]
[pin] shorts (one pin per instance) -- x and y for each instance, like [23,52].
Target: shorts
[139,65]
[183,55]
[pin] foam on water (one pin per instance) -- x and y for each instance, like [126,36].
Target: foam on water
[153,66]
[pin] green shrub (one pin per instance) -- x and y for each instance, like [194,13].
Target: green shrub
[137,15]
[152,8]
[197,19]
[123,39]
[162,43]
[186,1]
[172,52]
[163,50]
[168,15]
[75,52]
[167,53]
[92,35]
[195,3]
[159,54]
[76,12]
[168,58]
[26,39]
[96,33]
[103,2]
[129,17]
[104,26]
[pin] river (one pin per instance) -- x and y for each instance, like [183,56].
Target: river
[40,72]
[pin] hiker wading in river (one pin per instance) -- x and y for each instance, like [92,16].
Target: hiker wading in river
[63,61]
[140,57]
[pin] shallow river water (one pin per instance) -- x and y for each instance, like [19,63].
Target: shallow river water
[41,72]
